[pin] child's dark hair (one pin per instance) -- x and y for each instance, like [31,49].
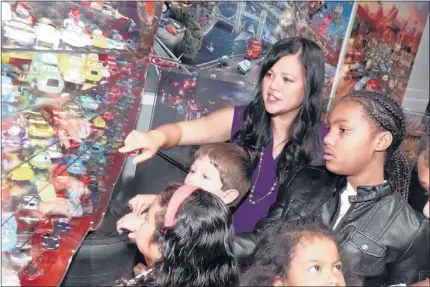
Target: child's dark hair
[197,250]
[424,148]
[234,166]
[275,251]
[388,115]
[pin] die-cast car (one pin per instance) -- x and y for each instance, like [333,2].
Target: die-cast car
[72,34]
[8,91]
[41,160]
[88,103]
[75,165]
[74,109]
[44,74]
[19,32]
[47,36]
[73,67]
[99,122]
[22,173]
[93,68]
[41,130]
[60,177]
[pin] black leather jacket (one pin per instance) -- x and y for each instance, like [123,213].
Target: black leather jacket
[386,241]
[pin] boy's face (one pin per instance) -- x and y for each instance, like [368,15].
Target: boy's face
[205,175]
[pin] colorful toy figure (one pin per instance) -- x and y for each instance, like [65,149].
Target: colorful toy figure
[41,160]
[72,31]
[74,109]
[88,103]
[47,35]
[73,67]
[41,130]
[21,12]
[75,165]
[8,231]
[93,68]
[99,122]
[22,173]
[44,74]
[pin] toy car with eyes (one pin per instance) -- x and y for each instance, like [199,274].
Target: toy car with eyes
[61,178]
[44,74]
[41,130]
[84,151]
[41,160]
[88,103]
[47,35]
[73,67]
[29,202]
[22,173]
[74,109]
[75,165]
[93,69]
[89,115]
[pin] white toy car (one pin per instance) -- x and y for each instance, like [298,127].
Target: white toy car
[73,35]
[19,32]
[47,37]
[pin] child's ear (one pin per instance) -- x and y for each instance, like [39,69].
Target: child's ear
[278,281]
[383,141]
[229,195]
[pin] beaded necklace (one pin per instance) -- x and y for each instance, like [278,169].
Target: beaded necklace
[272,189]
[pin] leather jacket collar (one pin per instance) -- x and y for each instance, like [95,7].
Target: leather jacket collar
[365,193]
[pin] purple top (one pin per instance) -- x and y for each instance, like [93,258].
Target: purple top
[247,214]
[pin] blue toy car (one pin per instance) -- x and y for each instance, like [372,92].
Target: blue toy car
[88,103]
[75,165]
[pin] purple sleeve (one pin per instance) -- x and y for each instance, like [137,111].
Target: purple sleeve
[237,119]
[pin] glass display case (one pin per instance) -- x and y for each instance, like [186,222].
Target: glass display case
[72,80]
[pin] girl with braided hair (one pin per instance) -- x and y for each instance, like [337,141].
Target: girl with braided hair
[361,193]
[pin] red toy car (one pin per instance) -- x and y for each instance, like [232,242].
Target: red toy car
[372,85]
[60,177]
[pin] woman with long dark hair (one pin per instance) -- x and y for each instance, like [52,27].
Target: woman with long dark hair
[280,128]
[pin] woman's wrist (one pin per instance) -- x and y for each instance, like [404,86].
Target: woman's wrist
[159,138]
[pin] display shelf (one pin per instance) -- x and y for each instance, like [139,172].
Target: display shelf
[65,65]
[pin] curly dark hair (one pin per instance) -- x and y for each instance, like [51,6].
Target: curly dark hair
[197,250]
[304,144]
[388,115]
[275,251]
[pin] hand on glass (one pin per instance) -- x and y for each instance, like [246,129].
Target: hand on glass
[141,202]
[73,129]
[148,142]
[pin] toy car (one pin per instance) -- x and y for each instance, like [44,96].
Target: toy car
[75,165]
[41,160]
[41,130]
[22,173]
[361,84]
[99,122]
[19,32]
[9,93]
[372,85]
[47,36]
[74,109]
[8,231]
[37,119]
[60,177]
[72,31]
[73,67]
[224,61]
[88,103]
[44,74]
[98,40]
[244,66]
[93,68]
[29,202]
[41,143]
[54,115]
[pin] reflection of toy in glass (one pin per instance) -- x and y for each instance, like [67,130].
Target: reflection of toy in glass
[44,74]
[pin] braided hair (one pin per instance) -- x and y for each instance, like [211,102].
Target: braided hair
[388,115]
[425,148]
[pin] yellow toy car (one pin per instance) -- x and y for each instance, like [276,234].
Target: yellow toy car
[98,40]
[93,68]
[72,66]
[22,173]
[99,122]
[41,130]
